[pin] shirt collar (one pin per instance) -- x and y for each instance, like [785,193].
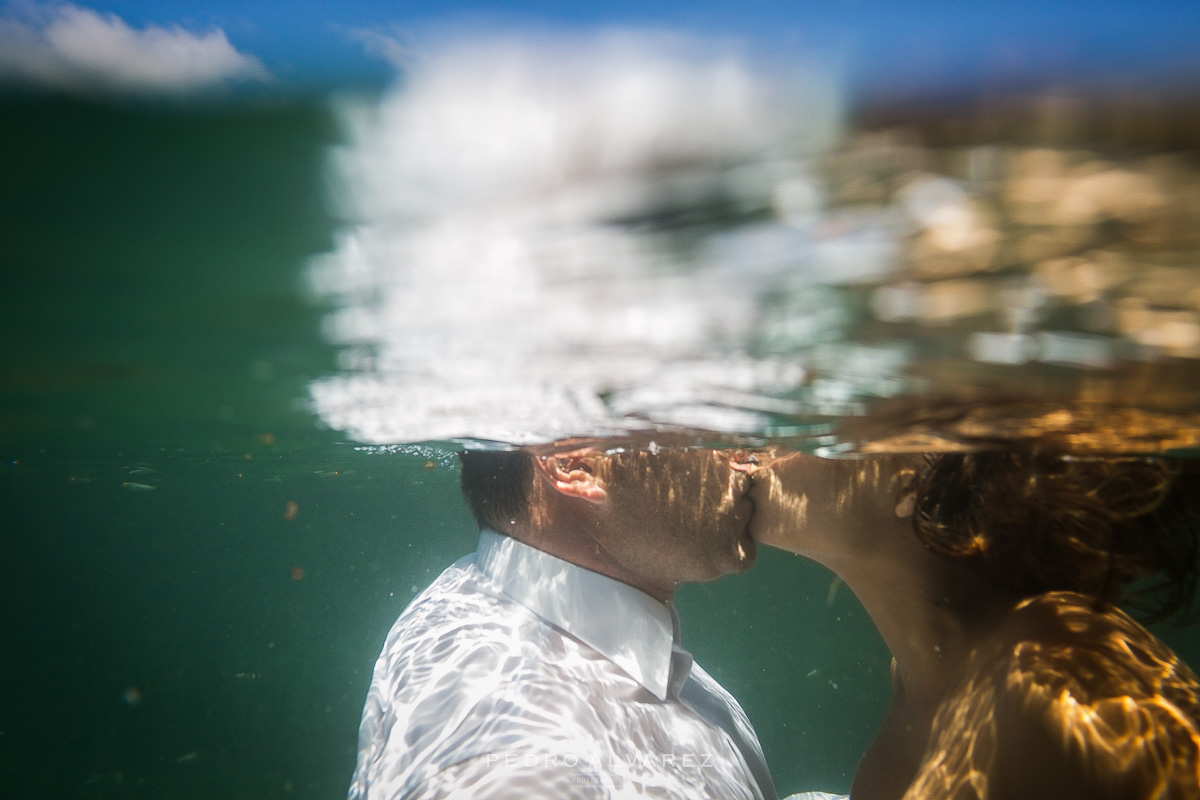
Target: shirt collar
[627,626]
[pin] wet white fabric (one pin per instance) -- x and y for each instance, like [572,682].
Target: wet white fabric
[519,675]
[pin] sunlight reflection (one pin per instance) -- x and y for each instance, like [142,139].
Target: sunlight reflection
[1109,695]
[548,238]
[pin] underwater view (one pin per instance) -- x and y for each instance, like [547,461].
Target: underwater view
[244,336]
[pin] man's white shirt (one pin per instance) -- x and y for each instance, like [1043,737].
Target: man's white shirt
[519,675]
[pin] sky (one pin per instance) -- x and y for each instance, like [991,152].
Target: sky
[882,48]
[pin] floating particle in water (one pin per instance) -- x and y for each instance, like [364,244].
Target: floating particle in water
[430,465]
[262,370]
[189,758]
[266,439]
[131,696]
[291,510]
[247,676]
[297,573]
[138,487]
[834,584]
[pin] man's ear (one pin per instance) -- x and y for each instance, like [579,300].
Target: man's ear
[573,474]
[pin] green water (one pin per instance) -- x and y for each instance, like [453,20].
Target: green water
[160,639]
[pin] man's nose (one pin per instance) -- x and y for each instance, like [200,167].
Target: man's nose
[740,478]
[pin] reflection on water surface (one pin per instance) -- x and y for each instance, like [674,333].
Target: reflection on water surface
[531,253]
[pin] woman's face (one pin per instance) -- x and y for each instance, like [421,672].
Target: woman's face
[828,508]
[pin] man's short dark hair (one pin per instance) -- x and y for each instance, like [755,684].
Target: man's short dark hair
[496,485]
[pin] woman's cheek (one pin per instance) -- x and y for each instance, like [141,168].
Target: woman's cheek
[779,516]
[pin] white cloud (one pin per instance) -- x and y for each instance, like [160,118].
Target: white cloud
[479,119]
[385,45]
[68,47]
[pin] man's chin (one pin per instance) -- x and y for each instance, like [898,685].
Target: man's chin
[745,553]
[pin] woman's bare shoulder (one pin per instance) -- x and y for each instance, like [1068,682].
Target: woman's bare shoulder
[1083,687]
[1066,642]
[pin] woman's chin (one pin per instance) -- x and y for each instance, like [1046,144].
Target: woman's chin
[771,536]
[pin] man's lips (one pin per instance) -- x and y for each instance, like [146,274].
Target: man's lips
[745,507]
[745,546]
[757,495]
[741,487]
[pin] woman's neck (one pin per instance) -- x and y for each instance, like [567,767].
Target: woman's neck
[931,612]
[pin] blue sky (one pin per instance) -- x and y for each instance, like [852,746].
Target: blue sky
[886,46]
